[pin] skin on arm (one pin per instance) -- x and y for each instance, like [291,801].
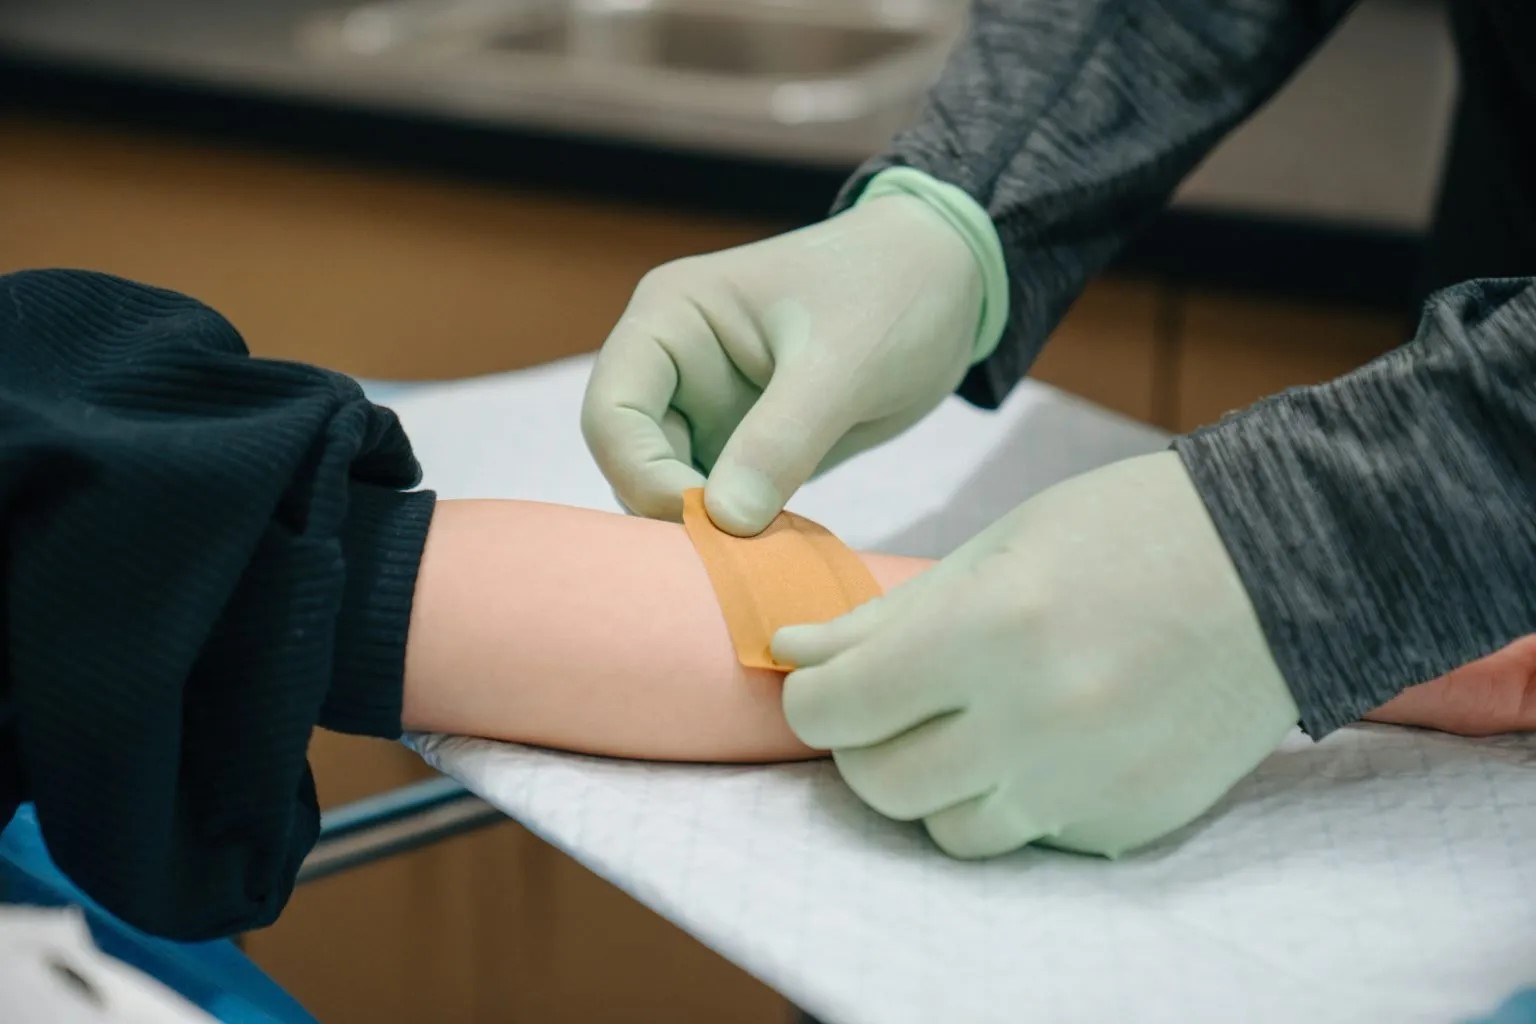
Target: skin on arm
[587,631]
[1492,695]
[600,633]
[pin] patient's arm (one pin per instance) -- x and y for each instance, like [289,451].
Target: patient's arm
[600,633]
[586,631]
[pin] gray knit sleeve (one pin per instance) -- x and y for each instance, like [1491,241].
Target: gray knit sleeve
[1384,524]
[1071,122]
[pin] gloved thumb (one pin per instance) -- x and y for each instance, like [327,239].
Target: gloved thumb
[773,451]
[816,643]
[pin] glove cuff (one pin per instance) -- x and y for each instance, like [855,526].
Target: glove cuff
[974,226]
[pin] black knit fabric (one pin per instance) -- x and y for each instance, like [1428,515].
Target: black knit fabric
[205,556]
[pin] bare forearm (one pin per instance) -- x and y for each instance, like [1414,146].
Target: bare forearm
[600,633]
[586,631]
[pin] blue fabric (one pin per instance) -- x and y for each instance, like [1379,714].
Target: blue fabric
[215,976]
[1519,1008]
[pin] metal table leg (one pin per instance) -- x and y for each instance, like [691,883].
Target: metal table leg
[396,822]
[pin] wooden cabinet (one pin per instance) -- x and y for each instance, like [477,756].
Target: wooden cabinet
[1179,358]
[376,274]
[1232,350]
[1110,348]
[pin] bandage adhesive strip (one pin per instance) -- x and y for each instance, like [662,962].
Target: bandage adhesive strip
[794,572]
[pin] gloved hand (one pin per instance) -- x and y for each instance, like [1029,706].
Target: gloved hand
[760,364]
[1087,672]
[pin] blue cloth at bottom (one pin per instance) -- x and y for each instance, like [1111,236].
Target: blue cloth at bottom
[215,976]
[1519,1008]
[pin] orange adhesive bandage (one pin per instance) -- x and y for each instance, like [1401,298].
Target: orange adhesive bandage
[792,573]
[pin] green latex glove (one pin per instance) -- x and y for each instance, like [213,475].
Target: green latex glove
[761,364]
[1087,672]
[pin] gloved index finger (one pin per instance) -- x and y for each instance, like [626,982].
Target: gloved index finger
[776,448]
[625,421]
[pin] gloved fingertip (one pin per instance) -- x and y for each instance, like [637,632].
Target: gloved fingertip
[645,506]
[811,710]
[977,829]
[657,491]
[798,646]
[742,501]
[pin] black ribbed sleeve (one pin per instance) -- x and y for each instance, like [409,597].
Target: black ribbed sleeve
[205,555]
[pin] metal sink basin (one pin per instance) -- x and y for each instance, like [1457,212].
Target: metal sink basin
[745,43]
[796,81]
[808,77]
[717,37]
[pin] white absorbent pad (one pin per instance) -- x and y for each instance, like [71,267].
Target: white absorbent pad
[1382,875]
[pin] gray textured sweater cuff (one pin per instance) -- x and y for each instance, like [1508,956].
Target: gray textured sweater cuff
[1383,523]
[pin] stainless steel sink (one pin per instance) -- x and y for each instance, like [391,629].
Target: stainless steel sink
[719,38]
[809,77]
[809,81]
[744,43]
